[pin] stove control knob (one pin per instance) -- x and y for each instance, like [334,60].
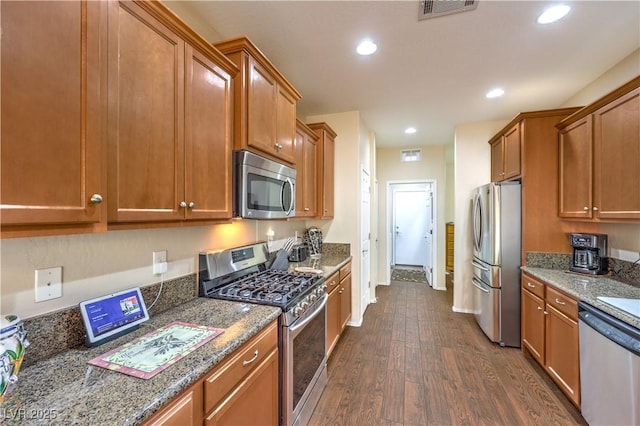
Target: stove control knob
[313,297]
[298,310]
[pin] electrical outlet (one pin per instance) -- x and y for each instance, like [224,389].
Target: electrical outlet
[160,262]
[48,283]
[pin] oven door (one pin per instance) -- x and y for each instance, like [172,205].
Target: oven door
[304,364]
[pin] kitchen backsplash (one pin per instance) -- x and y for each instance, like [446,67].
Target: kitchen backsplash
[55,332]
[58,331]
[627,272]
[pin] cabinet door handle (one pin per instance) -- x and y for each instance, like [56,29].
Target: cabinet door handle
[586,209]
[249,361]
[192,205]
[183,204]
[546,313]
[96,199]
[306,209]
[595,209]
[539,308]
[560,302]
[530,285]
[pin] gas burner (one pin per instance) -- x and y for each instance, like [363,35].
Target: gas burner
[276,288]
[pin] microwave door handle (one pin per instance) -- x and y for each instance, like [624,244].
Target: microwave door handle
[292,195]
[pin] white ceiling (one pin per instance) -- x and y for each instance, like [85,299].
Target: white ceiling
[431,74]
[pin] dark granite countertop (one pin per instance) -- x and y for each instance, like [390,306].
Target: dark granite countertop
[588,289]
[65,390]
[328,263]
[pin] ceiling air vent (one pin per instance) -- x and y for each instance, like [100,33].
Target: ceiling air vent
[407,155]
[434,8]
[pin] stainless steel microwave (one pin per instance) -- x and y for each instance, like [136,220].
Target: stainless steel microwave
[264,189]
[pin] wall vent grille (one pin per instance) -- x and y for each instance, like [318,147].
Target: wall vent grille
[407,155]
[434,8]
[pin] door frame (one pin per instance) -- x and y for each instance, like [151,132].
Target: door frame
[389,224]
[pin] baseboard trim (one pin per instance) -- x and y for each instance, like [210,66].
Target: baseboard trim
[462,311]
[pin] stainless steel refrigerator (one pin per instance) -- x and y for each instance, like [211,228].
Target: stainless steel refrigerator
[496,228]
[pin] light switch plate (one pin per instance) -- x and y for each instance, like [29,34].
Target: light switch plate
[48,283]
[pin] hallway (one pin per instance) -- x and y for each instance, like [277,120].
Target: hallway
[415,362]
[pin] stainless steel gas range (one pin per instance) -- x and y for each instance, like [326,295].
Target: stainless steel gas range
[241,275]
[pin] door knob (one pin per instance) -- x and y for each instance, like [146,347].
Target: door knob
[192,205]
[183,204]
[96,199]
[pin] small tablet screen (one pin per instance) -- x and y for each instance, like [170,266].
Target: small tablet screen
[110,316]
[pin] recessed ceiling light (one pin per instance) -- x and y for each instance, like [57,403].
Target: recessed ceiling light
[495,93]
[410,130]
[553,13]
[366,47]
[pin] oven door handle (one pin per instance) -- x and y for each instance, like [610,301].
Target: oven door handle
[304,322]
[292,195]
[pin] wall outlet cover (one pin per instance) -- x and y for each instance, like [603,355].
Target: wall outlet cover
[48,283]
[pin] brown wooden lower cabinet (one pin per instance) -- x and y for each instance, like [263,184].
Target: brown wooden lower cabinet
[550,333]
[243,389]
[338,305]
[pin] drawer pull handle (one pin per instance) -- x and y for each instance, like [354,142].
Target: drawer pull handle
[560,302]
[249,361]
[531,285]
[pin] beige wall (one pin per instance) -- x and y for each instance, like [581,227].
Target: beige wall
[345,226]
[389,168]
[472,169]
[99,264]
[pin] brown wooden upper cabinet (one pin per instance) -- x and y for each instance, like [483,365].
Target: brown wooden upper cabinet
[264,103]
[326,168]
[600,159]
[306,171]
[170,148]
[505,154]
[52,172]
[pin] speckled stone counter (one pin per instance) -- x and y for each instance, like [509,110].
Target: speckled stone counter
[65,390]
[328,263]
[588,289]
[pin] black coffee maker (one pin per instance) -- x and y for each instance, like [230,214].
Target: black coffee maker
[589,254]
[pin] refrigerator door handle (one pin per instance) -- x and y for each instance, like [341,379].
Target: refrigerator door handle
[479,266]
[477,284]
[477,222]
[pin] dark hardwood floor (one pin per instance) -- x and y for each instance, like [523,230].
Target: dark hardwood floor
[416,362]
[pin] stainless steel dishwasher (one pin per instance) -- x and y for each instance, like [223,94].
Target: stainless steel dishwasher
[609,368]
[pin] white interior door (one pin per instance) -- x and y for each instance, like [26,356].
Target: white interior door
[410,227]
[428,238]
[365,237]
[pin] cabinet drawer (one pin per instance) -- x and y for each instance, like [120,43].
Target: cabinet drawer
[345,270]
[562,302]
[533,285]
[226,376]
[332,282]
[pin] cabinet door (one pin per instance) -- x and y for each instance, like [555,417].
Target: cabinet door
[184,411]
[345,301]
[333,320]
[497,160]
[562,352]
[285,126]
[52,112]
[306,198]
[616,138]
[146,117]
[254,401]
[261,100]
[208,143]
[576,170]
[533,325]
[512,152]
[328,154]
